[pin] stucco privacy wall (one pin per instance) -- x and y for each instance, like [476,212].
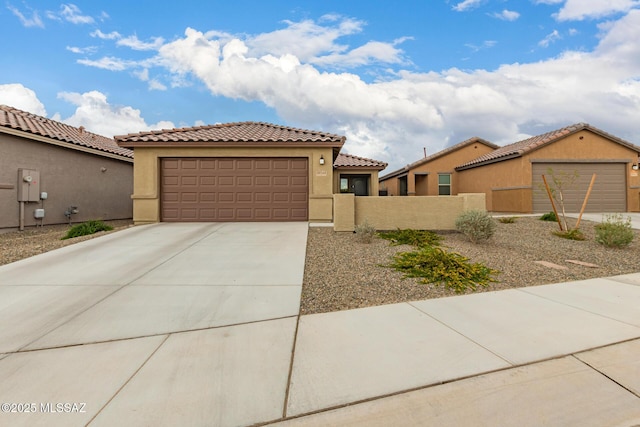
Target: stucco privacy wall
[390,213]
[515,175]
[146,199]
[70,177]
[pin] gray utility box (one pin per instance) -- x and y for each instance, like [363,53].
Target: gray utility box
[28,185]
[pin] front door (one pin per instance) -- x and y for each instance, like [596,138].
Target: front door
[356,184]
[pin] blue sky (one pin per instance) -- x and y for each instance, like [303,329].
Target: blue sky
[393,77]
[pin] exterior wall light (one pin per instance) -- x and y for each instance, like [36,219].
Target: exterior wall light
[321,159]
[634,167]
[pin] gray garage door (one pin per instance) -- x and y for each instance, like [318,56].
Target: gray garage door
[608,193]
[234,189]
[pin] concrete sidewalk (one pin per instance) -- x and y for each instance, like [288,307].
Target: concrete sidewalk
[517,357]
[197,324]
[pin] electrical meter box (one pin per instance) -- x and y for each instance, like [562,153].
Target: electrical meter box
[28,185]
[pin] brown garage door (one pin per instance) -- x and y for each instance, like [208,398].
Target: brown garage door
[608,193]
[234,189]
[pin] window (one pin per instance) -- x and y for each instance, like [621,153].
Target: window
[444,184]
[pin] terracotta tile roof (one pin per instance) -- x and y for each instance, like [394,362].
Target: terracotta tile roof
[37,125]
[240,132]
[351,161]
[520,148]
[473,140]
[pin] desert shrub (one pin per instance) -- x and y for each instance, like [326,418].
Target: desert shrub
[614,232]
[476,225]
[365,232]
[507,219]
[417,238]
[551,216]
[434,265]
[573,234]
[87,228]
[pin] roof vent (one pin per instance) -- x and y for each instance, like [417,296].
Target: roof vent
[81,129]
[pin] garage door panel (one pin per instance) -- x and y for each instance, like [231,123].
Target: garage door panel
[235,189]
[608,193]
[244,180]
[207,197]
[244,197]
[226,197]
[188,197]
[263,181]
[207,180]
[189,164]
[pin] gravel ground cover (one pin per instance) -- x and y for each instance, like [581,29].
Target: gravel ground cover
[16,245]
[341,273]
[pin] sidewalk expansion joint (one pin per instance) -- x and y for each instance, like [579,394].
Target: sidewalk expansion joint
[168,333]
[290,374]
[606,376]
[128,380]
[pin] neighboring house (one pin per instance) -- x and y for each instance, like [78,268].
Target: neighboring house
[434,175]
[511,176]
[245,171]
[72,166]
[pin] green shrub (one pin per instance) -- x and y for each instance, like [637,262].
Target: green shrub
[614,232]
[87,228]
[476,225]
[417,238]
[433,265]
[573,234]
[507,219]
[551,216]
[365,232]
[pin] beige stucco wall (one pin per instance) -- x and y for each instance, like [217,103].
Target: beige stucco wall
[146,197]
[69,177]
[422,180]
[513,177]
[390,213]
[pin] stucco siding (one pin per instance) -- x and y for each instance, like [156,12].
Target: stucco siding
[508,183]
[423,178]
[100,187]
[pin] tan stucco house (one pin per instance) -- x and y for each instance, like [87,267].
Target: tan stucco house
[434,175]
[46,167]
[511,176]
[245,171]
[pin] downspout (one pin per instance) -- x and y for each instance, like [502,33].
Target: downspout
[21,216]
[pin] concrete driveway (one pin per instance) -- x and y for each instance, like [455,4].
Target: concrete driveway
[198,324]
[143,326]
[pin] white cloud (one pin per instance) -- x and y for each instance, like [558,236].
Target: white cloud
[72,13]
[467,5]
[108,63]
[392,119]
[590,9]
[82,50]
[114,35]
[136,44]
[506,15]
[155,84]
[485,45]
[98,116]
[550,38]
[33,21]
[20,97]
